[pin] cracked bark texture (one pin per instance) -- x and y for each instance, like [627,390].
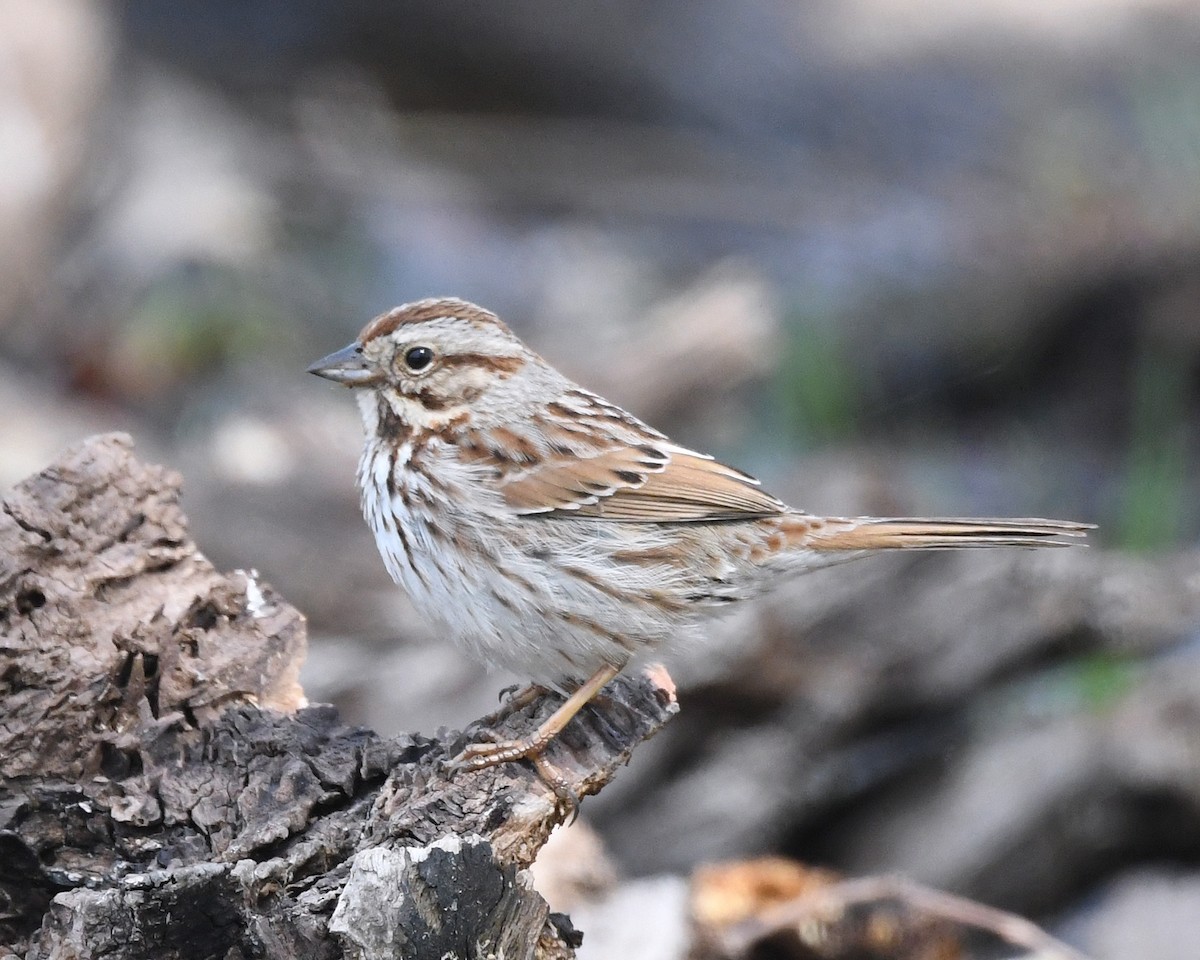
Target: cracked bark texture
[166,792]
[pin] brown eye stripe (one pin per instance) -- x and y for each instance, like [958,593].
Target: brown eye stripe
[503,366]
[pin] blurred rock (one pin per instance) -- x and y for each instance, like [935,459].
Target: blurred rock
[1145,914]
[640,920]
[1030,809]
[850,680]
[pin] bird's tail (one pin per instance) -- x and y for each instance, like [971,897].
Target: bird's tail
[928,533]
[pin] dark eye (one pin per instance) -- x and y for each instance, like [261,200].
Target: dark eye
[418,358]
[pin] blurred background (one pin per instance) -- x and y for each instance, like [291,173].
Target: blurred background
[892,258]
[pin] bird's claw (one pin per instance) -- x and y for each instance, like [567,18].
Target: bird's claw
[507,691]
[478,756]
[518,698]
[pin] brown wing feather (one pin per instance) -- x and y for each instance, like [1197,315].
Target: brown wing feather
[567,482]
[690,487]
[587,458]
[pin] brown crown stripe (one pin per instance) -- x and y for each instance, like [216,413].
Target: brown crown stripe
[422,311]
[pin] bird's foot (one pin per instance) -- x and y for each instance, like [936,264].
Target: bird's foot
[478,756]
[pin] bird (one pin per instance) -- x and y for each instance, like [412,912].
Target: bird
[550,532]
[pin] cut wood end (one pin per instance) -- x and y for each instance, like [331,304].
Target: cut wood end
[657,674]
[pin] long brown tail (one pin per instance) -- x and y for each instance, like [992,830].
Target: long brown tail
[932,533]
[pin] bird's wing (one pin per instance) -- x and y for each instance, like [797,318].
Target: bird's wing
[583,457]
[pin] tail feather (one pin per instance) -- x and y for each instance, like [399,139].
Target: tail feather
[935,533]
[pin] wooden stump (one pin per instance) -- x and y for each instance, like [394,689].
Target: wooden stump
[166,792]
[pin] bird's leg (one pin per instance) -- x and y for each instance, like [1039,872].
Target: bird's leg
[476,756]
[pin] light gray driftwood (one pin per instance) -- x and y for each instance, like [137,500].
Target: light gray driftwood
[166,792]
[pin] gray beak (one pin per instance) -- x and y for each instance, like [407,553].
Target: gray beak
[346,366]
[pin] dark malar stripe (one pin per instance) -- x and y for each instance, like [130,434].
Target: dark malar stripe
[391,428]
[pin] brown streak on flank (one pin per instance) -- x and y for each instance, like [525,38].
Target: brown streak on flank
[666,555]
[596,583]
[576,620]
[504,601]
[571,659]
[520,581]
[659,598]
[422,311]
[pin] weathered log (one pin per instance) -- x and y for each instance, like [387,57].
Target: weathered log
[166,792]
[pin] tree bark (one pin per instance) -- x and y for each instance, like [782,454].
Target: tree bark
[167,792]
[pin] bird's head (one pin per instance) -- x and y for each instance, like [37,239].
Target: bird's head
[434,361]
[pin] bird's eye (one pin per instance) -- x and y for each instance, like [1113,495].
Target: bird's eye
[418,358]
